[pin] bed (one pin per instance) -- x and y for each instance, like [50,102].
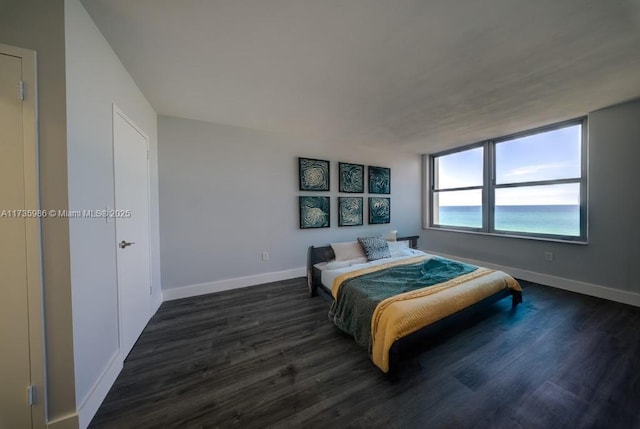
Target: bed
[393,301]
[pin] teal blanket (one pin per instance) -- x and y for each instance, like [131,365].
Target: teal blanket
[358,297]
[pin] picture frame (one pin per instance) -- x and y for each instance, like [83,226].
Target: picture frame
[379,210]
[379,180]
[351,178]
[315,212]
[313,174]
[350,211]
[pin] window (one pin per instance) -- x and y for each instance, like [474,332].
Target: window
[458,181]
[531,184]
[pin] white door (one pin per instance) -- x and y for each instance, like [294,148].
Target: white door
[15,373]
[130,148]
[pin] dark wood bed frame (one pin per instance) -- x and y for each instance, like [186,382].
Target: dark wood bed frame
[417,341]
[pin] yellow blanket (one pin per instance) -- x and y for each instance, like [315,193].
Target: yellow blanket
[403,314]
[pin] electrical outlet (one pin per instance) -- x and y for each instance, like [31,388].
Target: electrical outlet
[265,256]
[548,256]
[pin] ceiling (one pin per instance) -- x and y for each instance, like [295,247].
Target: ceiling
[410,75]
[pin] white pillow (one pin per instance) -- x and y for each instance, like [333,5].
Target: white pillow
[395,247]
[348,250]
[391,235]
[407,251]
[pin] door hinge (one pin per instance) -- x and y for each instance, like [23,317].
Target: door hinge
[31,395]
[21,90]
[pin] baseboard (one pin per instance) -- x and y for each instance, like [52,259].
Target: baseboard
[90,404]
[236,283]
[156,301]
[617,295]
[67,422]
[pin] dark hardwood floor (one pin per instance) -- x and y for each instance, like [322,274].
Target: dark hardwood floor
[267,356]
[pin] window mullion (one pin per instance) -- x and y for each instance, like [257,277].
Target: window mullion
[584,166]
[537,183]
[466,188]
[433,219]
[489,181]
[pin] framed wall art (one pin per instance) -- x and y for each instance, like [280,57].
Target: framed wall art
[350,211]
[379,210]
[379,180]
[351,177]
[314,212]
[313,174]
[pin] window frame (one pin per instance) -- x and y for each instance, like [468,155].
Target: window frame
[489,186]
[433,191]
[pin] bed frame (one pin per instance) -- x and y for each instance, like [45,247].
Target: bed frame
[417,341]
[325,254]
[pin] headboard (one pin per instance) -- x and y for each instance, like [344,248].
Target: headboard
[325,254]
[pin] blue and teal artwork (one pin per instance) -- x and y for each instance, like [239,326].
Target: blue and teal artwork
[379,180]
[350,211]
[314,174]
[379,210]
[314,212]
[351,177]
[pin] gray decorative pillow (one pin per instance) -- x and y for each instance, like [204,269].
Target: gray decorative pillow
[375,247]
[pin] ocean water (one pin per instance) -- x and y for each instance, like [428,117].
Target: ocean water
[556,219]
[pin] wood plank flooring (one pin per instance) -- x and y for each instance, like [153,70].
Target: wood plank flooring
[268,357]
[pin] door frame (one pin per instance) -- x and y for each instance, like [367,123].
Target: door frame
[119,112]
[35,299]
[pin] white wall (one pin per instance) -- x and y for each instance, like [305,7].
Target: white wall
[610,258]
[95,81]
[39,25]
[227,194]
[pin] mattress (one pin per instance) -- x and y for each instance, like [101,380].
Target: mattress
[329,275]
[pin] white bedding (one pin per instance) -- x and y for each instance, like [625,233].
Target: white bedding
[329,275]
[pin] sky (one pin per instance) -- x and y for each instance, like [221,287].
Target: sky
[545,156]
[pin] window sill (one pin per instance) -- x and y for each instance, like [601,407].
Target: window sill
[521,237]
